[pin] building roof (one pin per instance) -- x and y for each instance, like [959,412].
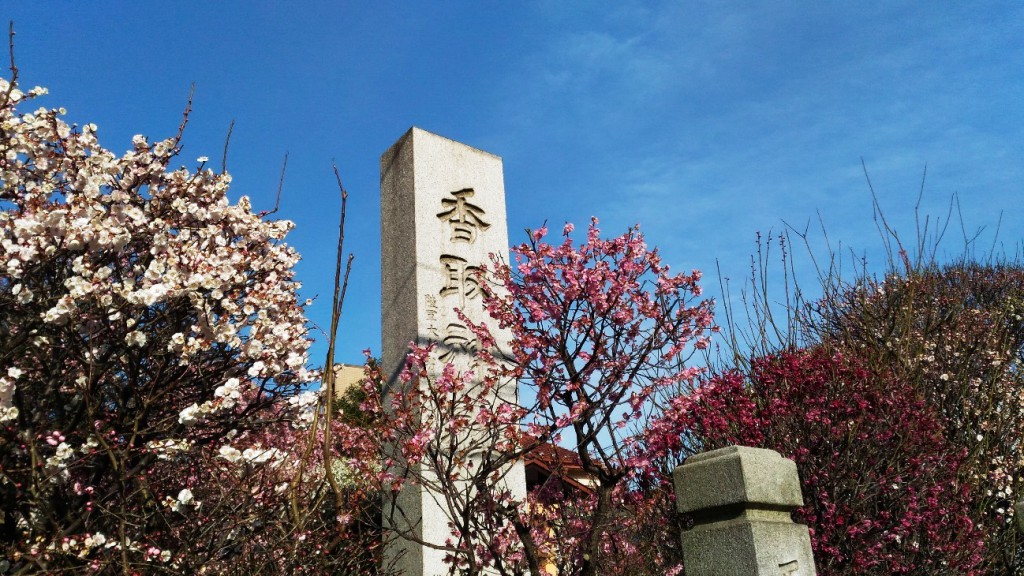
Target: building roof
[551,455]
[551,460]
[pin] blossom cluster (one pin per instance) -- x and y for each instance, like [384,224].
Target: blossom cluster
[869,509]
[597,326]
[596,330]
[152,338]
[954,334]
[76,202]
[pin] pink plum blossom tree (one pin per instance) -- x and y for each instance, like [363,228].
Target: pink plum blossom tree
[597,329]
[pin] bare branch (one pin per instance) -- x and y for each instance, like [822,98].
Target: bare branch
[181,127]
[340,288]
[224,159]
[887,232]
[280,185]
[14,68]
[10,42]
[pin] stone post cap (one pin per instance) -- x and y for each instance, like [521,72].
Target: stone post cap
[737,476]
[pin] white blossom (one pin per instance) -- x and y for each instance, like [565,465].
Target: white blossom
[136,338]
[93,540]
[230,453]
[229,392]
[189,415]
[260,455]
[185,497]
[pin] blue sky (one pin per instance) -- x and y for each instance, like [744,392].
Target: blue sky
[703,122]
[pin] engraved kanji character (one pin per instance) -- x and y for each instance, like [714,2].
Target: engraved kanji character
[431,309]
[457,340]
[460,278]
[465,218]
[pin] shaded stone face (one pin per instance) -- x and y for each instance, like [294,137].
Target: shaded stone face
[737,475]
[442,215]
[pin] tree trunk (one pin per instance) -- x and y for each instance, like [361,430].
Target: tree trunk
[600,520]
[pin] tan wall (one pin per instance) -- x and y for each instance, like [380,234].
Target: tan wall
[345,377]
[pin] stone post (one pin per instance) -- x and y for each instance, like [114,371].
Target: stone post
[741,500]
[442,215]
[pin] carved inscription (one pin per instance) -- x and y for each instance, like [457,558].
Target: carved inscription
[431,308]
[458,339]
[790,567]
[460,279]
[465,218]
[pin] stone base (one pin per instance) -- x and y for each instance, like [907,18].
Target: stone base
[744,547]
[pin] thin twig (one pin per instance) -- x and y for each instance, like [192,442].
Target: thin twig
[968,241]
[14,68]
[184,115]
[224,158]
[340,299]
[887,232]
[280,185]
[921,234]
[340,288]
[995,238]
[10,43]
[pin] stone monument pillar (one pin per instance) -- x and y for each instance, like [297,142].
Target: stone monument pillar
[741,500]
[442,215]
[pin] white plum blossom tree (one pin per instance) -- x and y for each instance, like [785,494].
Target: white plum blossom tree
[150,333]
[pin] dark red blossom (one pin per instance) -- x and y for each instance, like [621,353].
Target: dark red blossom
[879,478]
